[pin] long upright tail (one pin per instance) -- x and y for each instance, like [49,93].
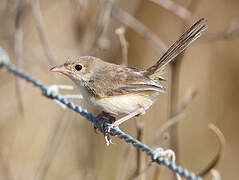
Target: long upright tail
[186,38]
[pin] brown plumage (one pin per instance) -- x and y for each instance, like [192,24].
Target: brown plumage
[121,90]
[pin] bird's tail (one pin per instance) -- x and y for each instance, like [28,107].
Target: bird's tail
[186,38]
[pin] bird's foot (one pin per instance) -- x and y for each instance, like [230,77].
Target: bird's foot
[98,124]
[116,123]
[108,140]
[102,116]
[108,129]
[108,132]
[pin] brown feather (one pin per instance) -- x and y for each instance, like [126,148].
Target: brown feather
[185,39]
[120,81]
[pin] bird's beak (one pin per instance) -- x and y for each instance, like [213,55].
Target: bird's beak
[60,69]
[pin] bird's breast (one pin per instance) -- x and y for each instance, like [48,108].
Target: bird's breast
[87,95]
[124,104]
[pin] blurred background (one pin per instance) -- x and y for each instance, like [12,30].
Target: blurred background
[41,140]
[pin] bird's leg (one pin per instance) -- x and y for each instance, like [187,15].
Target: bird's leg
[107,130]
[138,111]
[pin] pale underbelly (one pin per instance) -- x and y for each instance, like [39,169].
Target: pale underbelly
[125,104]
[121,104]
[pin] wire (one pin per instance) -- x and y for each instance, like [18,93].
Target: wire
[101,124]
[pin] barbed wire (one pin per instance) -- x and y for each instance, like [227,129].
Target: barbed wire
[155,154]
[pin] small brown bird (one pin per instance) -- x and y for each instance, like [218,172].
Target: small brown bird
[122,90]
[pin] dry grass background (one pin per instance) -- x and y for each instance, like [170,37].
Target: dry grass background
[28,150]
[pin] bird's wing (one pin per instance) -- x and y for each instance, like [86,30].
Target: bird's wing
[125,81]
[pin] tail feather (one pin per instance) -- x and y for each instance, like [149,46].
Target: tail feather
[185,39]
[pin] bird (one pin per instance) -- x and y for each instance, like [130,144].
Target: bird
[120,90]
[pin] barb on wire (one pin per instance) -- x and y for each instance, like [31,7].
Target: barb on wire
[56,88]
[102,124]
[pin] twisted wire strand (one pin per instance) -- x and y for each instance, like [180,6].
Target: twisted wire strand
[100,123]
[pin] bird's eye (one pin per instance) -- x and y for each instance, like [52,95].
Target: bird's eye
[78,67]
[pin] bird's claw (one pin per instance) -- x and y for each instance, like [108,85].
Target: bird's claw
[108,140]
[106,130]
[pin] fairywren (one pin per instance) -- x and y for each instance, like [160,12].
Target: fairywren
[123,90]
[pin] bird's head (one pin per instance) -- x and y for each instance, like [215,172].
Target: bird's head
[80,69]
